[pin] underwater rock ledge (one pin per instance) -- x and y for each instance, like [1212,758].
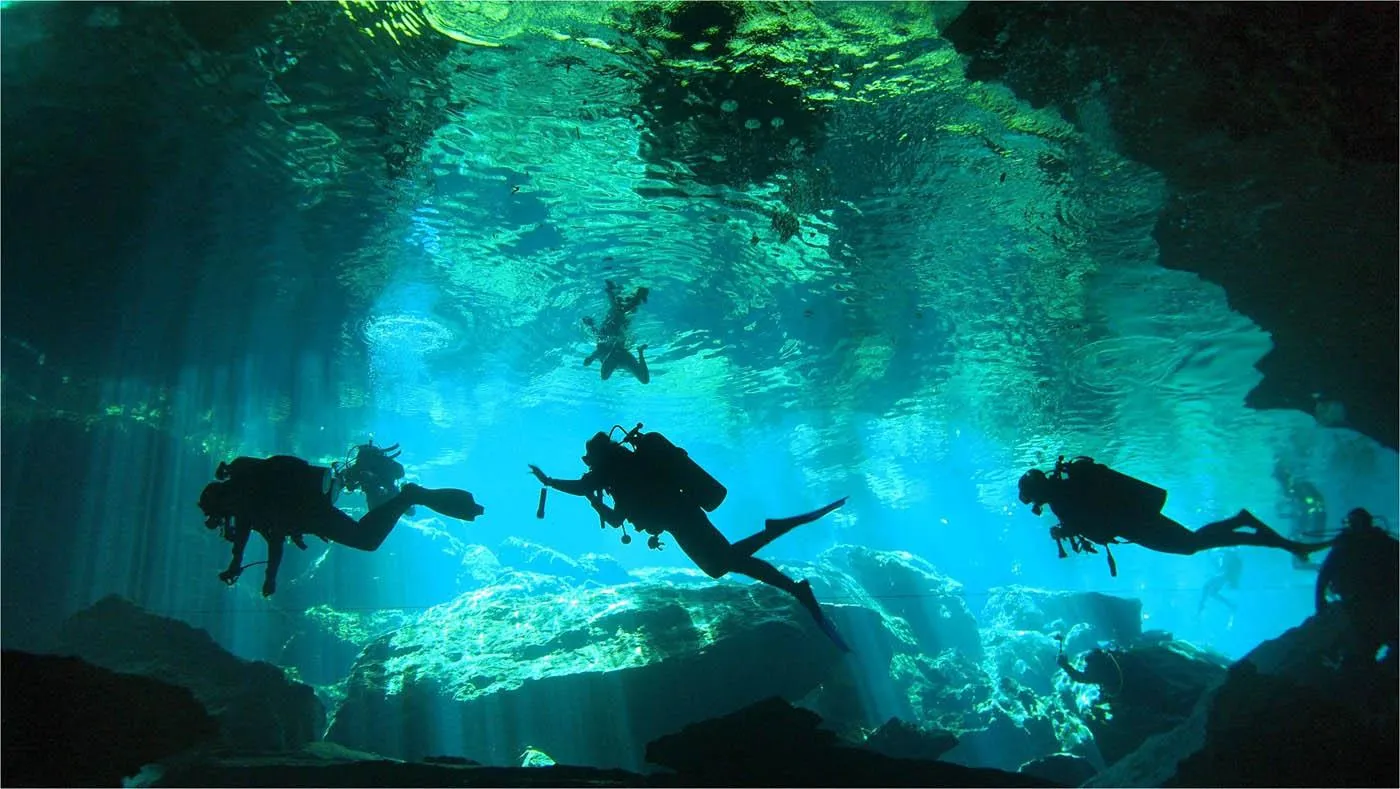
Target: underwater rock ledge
[256,705]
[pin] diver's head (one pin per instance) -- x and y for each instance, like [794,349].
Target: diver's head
[216,502]
[599,450]
[1034,488]
[1358,519]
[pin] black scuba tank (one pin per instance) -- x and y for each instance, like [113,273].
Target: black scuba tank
[287,480]
[1116,492]
[694,482]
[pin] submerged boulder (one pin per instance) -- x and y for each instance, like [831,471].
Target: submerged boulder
[1081,618]
[67,722]
[256,705]
[527,556]
[1063,769]
[904,740]
[1153,689]
[772,743]
[586,674]
[907,586]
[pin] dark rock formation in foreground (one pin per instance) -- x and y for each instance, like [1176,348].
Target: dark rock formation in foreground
[256,705]
[1158,687]
[770,743]
[66,722]
[1285,715]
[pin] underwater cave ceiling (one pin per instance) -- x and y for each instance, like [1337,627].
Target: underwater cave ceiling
[1275,132]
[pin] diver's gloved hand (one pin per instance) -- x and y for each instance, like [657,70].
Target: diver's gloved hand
[655,543]
[230,577]
[539,475]
[298,541]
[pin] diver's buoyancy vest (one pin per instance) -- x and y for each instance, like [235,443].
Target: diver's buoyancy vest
[1113,492]
[679,470]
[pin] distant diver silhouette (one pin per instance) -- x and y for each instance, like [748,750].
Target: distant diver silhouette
[1099,506]
[660,490]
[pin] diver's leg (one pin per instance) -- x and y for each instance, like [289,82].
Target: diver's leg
[1210,590]
[636,366]
[609,365]
[370,531]
[335,526]
[773,528]
[1232,531]
[1161,534]
[764,572]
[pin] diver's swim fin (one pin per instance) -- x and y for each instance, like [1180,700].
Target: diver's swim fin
[809,601]
[784,525]
[452,502]
[830,630]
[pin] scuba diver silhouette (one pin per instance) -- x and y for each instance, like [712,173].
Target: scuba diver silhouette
[1361,577]
[1305,509]
[612,336]
[375,470]
[284,497]
[1231,566]
[1097,505]
[660,489]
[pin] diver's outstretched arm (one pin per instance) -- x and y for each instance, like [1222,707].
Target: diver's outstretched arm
[574,487]
[241,530]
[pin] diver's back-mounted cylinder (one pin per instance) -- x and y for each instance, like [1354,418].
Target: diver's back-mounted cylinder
[1116,491]
[696,483]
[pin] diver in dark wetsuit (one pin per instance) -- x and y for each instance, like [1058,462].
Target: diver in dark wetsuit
[1361,577]
[612,336]
[1306,510]
[1097,505]
[660,489]
[284,497]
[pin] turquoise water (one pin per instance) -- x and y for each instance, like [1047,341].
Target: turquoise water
[343,237]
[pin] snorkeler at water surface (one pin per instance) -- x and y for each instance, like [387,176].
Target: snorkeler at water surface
[611,337]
